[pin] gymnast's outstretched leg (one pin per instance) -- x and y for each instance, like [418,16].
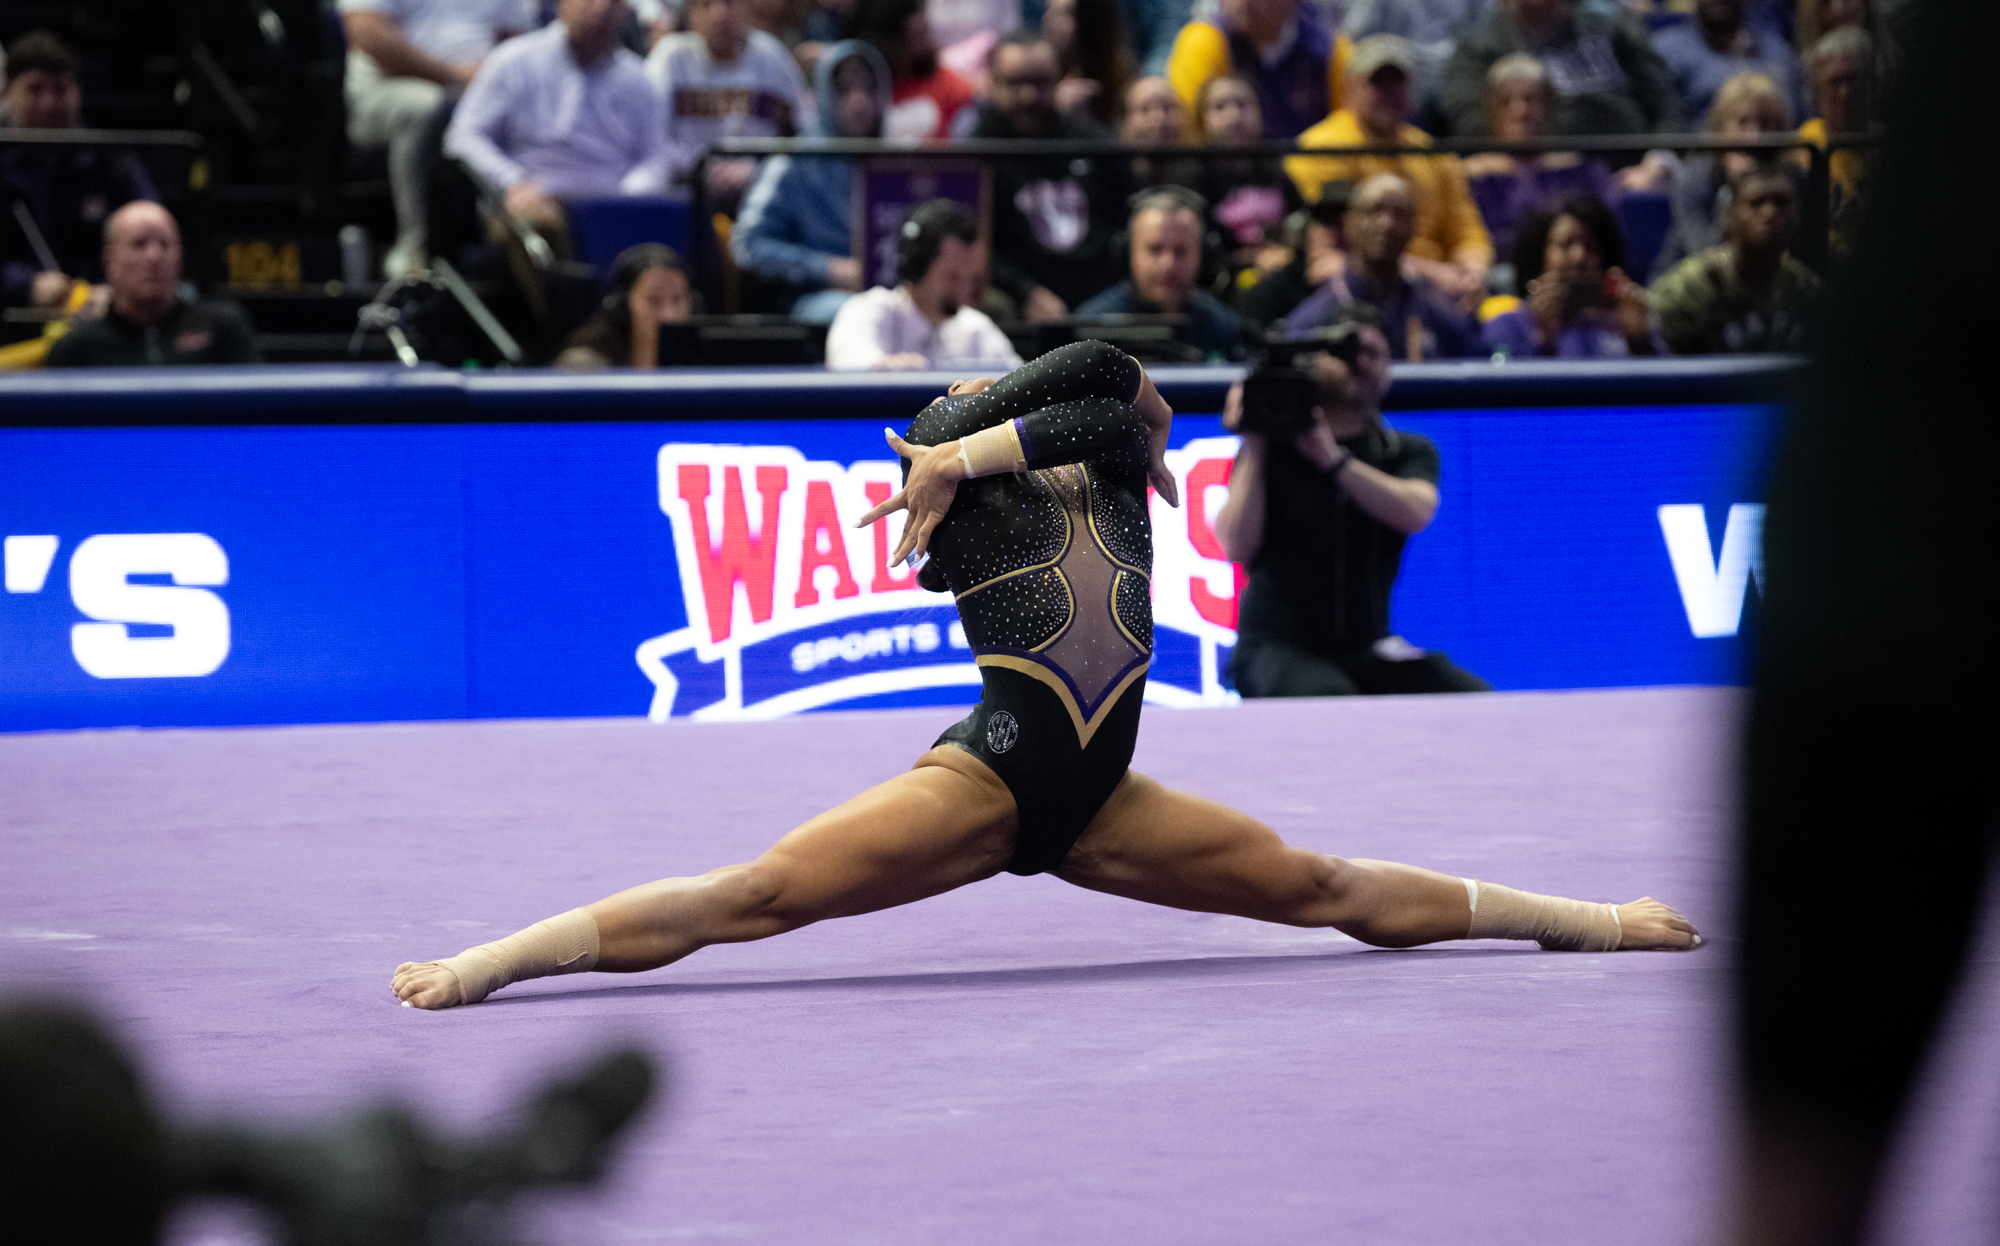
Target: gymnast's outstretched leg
[947,822]
[1154,844]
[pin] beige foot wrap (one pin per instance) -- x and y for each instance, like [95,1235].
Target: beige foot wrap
[991,451]
[1558,925]
[565,943]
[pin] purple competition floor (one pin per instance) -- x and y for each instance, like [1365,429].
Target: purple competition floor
[1018,1062]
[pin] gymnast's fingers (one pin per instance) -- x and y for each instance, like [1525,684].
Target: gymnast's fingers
[890,507]
[1163,483]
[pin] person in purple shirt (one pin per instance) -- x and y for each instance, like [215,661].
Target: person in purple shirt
[1580,303]
[1520,102]
[1419,320]
[1717,45]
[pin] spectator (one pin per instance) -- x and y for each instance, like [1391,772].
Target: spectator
[1817,19]
[1166,229]
[649,288]
[796,230]
[722,79]
[926,98]
[147,321]
[1320,520]
[1748,294]
[927,323]
[1089,39]
[1580,304]
[1716,46]
[1249,197]
[1607,78]
[1842,70]
[1431,26]
[1418,320]
[1315,241]
[1510,189]
[1451,246]
[1284,47]
[1748,106]
[66,191]
[1053,217]
[1154,118]
[404,57]
[562,111]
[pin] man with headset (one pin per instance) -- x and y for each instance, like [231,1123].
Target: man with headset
[1164,247]
[926,323]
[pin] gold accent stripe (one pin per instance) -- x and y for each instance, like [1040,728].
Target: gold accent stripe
[1085,728]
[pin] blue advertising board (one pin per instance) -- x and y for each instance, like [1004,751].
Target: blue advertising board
[258,574]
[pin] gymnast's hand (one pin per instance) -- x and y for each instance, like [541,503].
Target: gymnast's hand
[927,493]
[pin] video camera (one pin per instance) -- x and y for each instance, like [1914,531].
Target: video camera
[1279,395]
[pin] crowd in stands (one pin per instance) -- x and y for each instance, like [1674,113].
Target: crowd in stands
[1511,254]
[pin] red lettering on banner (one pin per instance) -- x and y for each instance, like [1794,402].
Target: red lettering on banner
[752,560]
[822,517]
[884,582]
[1204,475]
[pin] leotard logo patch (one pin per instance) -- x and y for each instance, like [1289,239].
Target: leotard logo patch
[1002,731]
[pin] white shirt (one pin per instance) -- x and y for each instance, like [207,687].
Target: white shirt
[457,32]
[878,323]
[760,94]
[533,114]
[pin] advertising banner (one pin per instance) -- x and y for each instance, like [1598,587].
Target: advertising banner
[712,570]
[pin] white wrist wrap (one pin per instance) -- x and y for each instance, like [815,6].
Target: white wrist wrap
[1556,924]
[565,943]
[991,451]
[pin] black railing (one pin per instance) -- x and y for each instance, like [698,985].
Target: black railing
[188,191]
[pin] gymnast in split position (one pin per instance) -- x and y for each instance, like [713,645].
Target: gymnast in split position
[1029,496]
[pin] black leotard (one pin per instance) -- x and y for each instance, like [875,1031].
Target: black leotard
[1051,569]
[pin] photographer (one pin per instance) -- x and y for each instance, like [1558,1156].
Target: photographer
[1318,516]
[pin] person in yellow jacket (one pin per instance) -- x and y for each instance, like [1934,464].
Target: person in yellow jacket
[1283,47]
[1451,246]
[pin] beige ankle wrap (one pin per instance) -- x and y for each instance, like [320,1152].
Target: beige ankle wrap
[991,451]
[1558,925]
[565,943]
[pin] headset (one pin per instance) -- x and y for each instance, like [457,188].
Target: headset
[1168,197]
[922,236]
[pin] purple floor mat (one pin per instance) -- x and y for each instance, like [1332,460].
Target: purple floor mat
[1017,1062]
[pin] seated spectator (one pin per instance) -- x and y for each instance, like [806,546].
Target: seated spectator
[1315,241]
[1842,69]
[66,191]
[562,111]
[1607,78]
[1510,189]
[797,225]
[1053,216]
[926,98]
[1284,47]
[1716,46]
[1451,246]
[1248,197]
[1748,106]
[1097,66]
[1418,320]
[1431,26]
[1816,19]
[1748,294]
[927,323]
[1154,118]
[1166,235]
[721,79]
[649,288]
[146,321]
[403,58]
[1580,304]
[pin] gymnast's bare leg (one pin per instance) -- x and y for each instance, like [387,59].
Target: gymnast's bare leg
[951,821]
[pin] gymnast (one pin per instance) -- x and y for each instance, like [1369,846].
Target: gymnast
[1029,496]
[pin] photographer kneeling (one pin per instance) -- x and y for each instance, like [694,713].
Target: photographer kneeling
[1319,518]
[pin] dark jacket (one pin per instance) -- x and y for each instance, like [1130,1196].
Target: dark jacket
[1212,328]
[69,192]
[1043,202]
[1607,77]
[188,333]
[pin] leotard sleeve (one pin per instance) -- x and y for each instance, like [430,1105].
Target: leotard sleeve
[1059,402]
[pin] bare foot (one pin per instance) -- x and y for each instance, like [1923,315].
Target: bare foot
[427,985]
[1650,926]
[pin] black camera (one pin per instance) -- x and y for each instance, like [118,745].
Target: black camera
[1279,395]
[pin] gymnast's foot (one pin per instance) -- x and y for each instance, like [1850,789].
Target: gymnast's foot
[426,985]
[1649,926]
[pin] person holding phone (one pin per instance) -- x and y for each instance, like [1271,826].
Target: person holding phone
[1579,303]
